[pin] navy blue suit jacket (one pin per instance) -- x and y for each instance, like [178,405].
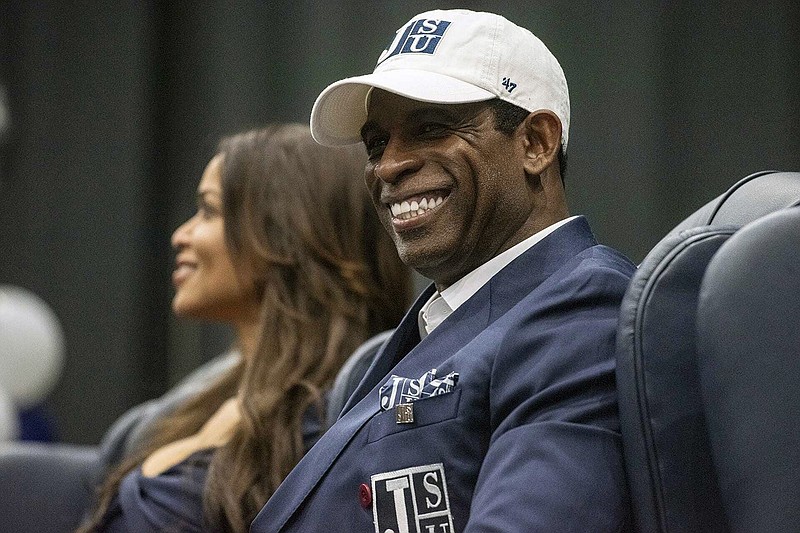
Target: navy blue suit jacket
[527,441]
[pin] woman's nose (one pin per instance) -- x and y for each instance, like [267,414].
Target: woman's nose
[182,235]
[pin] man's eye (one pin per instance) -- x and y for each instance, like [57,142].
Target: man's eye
[431,128]
[375,147]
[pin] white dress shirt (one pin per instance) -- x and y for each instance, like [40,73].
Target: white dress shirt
[441,305]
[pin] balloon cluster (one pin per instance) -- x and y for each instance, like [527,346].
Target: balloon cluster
[31,354]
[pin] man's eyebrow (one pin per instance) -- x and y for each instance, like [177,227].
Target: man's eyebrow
[447,113]
[452,114]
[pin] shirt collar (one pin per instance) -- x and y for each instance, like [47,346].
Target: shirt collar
[461,291]
[433,312]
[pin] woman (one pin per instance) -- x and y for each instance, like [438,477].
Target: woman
[286,247]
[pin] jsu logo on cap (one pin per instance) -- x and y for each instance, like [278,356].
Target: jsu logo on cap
[412,500]
[417,37]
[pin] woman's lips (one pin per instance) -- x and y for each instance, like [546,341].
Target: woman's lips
[182,272]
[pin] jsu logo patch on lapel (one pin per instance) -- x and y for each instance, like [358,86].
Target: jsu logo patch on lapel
[412,500]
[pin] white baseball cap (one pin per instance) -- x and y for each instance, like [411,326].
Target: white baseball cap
[449,57]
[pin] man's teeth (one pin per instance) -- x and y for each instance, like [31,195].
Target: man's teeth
[405,210]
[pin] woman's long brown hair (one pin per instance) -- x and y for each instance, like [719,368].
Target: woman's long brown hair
[300,224]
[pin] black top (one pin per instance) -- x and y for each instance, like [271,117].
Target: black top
[170,501]
[173,500]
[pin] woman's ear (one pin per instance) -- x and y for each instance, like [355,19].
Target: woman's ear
[542,130]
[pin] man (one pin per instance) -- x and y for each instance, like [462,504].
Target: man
[492,407]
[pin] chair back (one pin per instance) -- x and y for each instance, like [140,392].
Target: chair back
[748,332]
[664,429]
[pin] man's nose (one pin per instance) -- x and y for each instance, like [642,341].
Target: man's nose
[397,160]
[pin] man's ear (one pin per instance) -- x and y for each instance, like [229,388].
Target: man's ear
[542,130]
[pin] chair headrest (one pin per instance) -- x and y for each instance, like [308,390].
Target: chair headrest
[749,199]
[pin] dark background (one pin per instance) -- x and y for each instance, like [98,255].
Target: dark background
[116,107]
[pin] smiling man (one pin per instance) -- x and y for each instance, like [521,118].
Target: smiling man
[492,407]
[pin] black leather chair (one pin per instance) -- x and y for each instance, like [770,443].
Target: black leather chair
[351,373]
[675,484]
[748,330]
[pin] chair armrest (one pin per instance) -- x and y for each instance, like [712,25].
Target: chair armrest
[45,487]
[350,375]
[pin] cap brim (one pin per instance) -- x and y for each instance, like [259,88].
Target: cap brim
[341,109]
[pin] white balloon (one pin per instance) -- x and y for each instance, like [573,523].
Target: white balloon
[9,420]
[31,346]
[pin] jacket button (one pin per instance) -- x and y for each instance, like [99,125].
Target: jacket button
[365,495]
